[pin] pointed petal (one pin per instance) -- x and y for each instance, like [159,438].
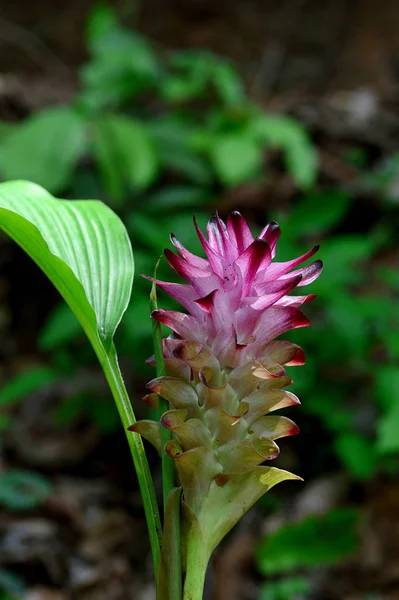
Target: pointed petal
[184,294]
[244,380]
[178,368]
[309,273]
[196,356]
[178,393]
[206,303]
[202,280]
[192,434]
[150,430]
[275,321]
[267,400]
[216,259]
[295,301]
[173,418]
[230,251]
[273,428]
[271,234]
[243,456]
[211,396]
[193,259]
[184,325]
[215,237]
[276,289]
[283,352]
[197,468]
[239,232]
[277,269]
[152,400]
[225,427]
[249,314]
[256,257]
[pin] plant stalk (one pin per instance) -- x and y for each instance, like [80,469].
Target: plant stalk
[109,363]
[197,559]
[168,467]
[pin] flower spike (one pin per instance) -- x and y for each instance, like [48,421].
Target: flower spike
[226,370]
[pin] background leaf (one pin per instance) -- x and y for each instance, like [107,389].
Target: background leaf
[27,383]
[290,136]
[23,490]
[236,157]
[61,327]
[125,153]
[45,148]
[387,430]
[313,542]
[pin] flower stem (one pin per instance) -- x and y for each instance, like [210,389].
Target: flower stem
[109,363]
[168,467]
[197,559]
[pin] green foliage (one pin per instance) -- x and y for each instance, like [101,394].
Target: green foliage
[100,411]
[45,149]
[136,119]
[351,318]
[60,328]
[25,383]
[292,138]
[126,155]
[313,542]
[285,589]
[23,490]
[236,157]
[357,454]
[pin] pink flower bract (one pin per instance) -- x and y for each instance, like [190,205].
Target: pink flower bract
[237,298]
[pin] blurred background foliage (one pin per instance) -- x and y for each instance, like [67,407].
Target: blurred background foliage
[162,135]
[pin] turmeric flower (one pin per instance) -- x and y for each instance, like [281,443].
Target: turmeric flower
[226,370]
[236,299]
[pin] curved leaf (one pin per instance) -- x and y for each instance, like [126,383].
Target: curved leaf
[83,248]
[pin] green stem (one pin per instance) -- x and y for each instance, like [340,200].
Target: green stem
[170,583]
[197,559]
[109,363]
[168,466]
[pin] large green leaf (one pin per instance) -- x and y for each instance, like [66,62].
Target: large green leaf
[83,248]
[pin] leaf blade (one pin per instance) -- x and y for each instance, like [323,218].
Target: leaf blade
[82,246]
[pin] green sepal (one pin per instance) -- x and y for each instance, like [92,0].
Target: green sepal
[231,496]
